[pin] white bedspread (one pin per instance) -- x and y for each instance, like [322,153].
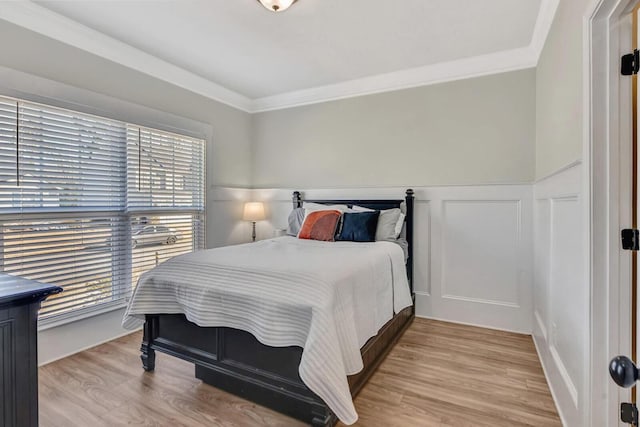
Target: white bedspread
[327,297]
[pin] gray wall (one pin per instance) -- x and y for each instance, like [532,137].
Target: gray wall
[559,78]
[474,131]
[434,135]
[230,151]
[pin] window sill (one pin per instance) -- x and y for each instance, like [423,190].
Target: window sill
[78,315]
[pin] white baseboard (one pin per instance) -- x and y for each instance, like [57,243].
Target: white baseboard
[477,325]
[66,339]
[549,383]
[90,346]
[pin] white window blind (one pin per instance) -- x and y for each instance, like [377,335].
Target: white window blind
[156,238]
[86,256]
[87,207]
[165,171]
[69,160]
[8,145]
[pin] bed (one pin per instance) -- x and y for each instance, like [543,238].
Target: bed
[239,361]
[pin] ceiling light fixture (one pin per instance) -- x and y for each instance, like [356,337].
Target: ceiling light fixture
[277,5]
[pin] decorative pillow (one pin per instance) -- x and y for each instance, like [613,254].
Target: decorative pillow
[296,218]
[389,221]
[320,225]
[359,227]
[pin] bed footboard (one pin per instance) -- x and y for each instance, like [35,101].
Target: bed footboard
[235,361]
[148,355]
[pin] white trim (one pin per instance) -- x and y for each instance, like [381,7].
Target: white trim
[565,197]
[477,66]
[48,23]
[477,325]
[543,24]
[480,300]
[424,294]
[390,188]
[78,315]
[540,323]
[92,345]
[559,170]
[564,374]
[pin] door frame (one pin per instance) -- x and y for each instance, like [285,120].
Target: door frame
[607,174]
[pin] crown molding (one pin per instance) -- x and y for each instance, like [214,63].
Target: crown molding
[53,25]
[476,66]
[494,63]
[543,25]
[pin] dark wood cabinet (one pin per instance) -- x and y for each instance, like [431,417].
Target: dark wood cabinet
[19,303]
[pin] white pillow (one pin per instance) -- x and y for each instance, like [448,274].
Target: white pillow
[312,207]
[399,224]
[389,221]
[357,208]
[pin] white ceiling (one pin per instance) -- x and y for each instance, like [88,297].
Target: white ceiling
[256,54]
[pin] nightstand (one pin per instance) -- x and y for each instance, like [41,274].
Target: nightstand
[19,304]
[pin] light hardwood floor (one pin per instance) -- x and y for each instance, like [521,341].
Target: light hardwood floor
[439,374]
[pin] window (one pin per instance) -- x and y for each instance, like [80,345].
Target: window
[89,204]
[165,196]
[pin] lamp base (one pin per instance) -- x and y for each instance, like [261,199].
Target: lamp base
[253,235]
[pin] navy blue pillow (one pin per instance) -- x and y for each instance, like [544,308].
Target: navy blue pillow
[359,227]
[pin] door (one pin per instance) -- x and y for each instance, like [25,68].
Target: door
[622,368]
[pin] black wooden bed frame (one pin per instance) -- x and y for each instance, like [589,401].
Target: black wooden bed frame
[235,361]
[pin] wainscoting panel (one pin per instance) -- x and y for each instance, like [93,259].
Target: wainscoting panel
[481,256]
[472,250]
[489,251]
[560,291]
[542,254]
[566,325]
[422,248]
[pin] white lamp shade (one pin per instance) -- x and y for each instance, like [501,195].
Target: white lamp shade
[277,5]
[253,211]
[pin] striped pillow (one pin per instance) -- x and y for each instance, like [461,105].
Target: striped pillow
[320,225]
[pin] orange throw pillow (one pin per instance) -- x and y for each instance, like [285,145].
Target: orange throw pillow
[320,225]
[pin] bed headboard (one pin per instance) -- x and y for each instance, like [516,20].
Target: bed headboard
[377,204]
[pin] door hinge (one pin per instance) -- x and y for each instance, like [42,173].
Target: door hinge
[630,63]
[629,413]
[630,239]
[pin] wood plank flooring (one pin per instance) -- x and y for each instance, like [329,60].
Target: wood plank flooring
[439,374]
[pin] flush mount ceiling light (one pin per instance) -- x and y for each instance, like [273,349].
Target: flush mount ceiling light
[277,5]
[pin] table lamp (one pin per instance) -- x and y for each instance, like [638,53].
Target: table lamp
[253,211]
